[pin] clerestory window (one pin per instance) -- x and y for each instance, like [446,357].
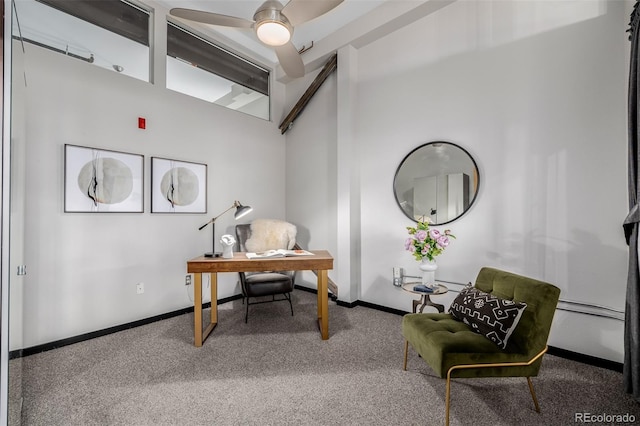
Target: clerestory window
[200,68]
[107,33]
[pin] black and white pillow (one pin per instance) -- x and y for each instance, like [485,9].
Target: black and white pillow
[486,314]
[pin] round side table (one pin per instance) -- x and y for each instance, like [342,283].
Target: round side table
[425,300]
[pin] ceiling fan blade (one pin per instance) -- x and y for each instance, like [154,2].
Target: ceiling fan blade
[290,60]
[299,11]
[211,18]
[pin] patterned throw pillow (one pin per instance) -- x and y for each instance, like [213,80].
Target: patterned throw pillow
[486,314]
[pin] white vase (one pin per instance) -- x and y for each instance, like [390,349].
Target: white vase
[428,268]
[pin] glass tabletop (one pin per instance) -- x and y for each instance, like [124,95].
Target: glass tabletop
[440,289]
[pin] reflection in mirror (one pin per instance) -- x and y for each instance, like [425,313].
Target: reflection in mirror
[437,180]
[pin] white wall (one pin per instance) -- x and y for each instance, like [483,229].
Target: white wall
[323,174]
[310,169]
[82,267]
[536,92]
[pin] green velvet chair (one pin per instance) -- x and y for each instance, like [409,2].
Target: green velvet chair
[453,350]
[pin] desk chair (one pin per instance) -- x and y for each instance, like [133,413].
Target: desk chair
[261,235]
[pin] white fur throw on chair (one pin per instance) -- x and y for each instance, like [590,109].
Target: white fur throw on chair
[271,234]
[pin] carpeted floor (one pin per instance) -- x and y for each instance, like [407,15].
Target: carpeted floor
[276,370]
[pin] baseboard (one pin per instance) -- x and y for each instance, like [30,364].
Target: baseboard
[347,304]
[314,291]
[586,359]
[307,289]
[353,304]
[559,352]
[372,306]
[87,336]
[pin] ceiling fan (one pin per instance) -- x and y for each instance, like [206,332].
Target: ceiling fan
[273,24]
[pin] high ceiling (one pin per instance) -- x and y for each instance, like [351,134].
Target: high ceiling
[352,22]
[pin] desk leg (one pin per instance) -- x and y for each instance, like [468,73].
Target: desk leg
[214,300]
[418,306]
[323,304]
[197,309]
[199,334]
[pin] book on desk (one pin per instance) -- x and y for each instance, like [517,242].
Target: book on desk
[278,253]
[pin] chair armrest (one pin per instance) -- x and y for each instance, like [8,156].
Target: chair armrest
[497,364]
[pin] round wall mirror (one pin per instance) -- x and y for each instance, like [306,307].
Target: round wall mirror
[437,180]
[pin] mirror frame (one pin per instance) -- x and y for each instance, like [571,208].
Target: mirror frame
[477,179]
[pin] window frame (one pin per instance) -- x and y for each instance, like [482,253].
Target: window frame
[205,40]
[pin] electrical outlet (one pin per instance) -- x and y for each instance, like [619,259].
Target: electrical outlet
[140,288]
[398,273]
[187,280]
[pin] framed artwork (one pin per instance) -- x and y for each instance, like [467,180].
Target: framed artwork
[178,186]
[100,180]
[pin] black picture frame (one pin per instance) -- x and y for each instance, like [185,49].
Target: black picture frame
[100,180]
[178,186]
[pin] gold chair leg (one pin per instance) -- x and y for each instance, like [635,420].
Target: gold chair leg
[490,365]
[533,394]
[406,349]
[447,401]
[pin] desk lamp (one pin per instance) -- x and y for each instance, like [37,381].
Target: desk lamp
[240,212]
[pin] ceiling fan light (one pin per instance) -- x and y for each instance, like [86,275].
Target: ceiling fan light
[273,33]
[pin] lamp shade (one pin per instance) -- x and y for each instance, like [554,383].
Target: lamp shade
[241,210]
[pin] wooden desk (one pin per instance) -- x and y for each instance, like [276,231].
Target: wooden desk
[321,262]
